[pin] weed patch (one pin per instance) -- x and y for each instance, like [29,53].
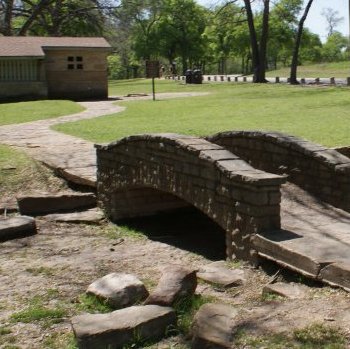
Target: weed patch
[186,308]
[92,304]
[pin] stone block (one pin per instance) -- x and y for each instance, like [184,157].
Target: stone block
[219,274]
[51,203]
[214,327]
[118,289]
[92,216]
[291,291]
[176,282]
[122,327]
[16,228]
[337,274]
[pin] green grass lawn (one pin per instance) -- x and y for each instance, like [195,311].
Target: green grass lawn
[15,113]
[323,70]
[318,114]
[124,87]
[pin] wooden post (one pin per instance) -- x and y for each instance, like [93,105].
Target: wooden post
[303,81]
[277,80]
[332,81]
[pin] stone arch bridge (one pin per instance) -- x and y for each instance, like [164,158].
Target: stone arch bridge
[225,177]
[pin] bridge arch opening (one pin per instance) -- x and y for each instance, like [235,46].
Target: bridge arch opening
[168,219]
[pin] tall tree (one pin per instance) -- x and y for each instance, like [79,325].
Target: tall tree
[294,65]
[54,17]
[332,19]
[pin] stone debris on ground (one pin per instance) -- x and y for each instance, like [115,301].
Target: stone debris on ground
[286,290]
[175,283]
[42,203]
[92,216]
[119,290]
[121,327]
[17,227]
[214,327]
[219,274]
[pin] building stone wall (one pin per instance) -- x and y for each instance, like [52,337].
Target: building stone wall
[22,90]
[146,174]
[321,171]
[88,82]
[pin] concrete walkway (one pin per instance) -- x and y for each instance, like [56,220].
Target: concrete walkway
[70,157]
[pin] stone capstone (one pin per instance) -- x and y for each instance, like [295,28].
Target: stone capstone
[292,291]
[115,330]
[17,227]
[52,203]
[214,327]
[219,274]
[176,282]
[119,290]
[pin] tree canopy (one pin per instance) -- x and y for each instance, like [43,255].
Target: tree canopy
[236,36]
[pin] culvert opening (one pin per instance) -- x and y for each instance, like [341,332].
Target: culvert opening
[186,228]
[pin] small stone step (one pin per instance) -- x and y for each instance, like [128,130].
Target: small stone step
[219,274]
[214,326]
[118,289]
[92,216]
[52,203]
[16,228]
[291,291]
[125,326]
[176,282]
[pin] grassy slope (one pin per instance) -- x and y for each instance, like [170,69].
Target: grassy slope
[15,113]
[318,114]
[19,173]
[323,70]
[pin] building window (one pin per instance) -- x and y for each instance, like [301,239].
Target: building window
[18,70]
[73,63]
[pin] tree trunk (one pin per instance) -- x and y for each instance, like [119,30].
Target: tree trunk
[253,39]
[294,65]
[263,42]
[7,30]
[258,51]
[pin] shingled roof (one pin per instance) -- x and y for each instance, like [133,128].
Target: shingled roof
[33,46]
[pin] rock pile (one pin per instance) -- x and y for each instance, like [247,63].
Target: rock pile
[135,323]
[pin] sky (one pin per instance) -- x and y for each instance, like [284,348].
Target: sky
[315,21]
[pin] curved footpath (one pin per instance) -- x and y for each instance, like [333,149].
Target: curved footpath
[70,157]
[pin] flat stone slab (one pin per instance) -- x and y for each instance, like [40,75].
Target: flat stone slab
[17,227]
[119,289]
[51,203]
[291,291]
[92,216]
[115,330]
[175,283]
[337,274]
[214,327]
[218,273]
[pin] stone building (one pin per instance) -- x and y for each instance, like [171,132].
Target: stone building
[53,67]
